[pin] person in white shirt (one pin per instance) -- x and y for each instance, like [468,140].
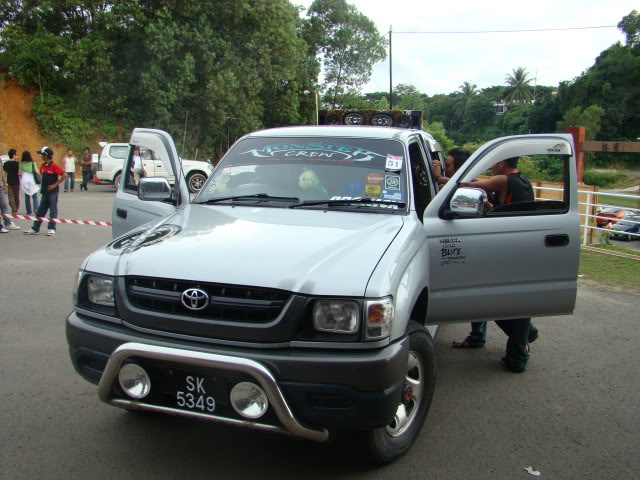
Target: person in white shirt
[138,171]
[69,162]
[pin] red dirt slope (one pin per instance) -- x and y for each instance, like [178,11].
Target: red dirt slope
[18,127]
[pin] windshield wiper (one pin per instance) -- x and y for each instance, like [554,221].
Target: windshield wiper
[261,197]
[348,202]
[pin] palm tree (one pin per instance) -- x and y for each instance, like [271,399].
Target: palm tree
[468,90]
[518,90]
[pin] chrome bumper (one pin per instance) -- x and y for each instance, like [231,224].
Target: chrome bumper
[292,425]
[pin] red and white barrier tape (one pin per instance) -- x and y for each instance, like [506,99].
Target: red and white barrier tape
[57,220]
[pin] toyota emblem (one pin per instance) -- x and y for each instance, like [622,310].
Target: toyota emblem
[195,299]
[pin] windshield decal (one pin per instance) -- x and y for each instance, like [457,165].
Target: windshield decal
[391,182]
[372,190]
[316,150]
[394,162]
[374,178]
[394,196]
[373,200]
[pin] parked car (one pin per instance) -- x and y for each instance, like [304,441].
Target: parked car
[625,229]
[613,215]
[111,160]
[301,290]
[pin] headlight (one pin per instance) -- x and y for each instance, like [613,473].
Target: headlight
[100,290]
[76,287]
[335,316]
[379,315]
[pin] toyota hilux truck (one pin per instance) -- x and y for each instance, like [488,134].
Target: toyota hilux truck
[300,290]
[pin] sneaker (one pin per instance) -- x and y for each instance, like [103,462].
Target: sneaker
[31,231]
[66,190]
[13,226]
[51,233]
[4,230]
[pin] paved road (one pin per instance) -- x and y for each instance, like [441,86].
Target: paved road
[573,415]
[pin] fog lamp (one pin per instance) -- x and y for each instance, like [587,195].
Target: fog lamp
[249,400]
[134,380]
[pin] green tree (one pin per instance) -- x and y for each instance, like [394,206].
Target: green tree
[519,89]
[630,25]
[468,92]
[590,118]
[348,42]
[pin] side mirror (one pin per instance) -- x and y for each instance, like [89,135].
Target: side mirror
[467,202]
[154,189]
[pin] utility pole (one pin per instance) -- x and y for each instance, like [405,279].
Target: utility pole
[390,70]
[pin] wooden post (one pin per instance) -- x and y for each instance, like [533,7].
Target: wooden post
[579,135]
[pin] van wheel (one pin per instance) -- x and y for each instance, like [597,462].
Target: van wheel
[386,444]
[195,181]
[116,181]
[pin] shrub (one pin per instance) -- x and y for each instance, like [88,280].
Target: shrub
[601,179]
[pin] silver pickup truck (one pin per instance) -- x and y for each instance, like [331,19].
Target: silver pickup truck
[301,290]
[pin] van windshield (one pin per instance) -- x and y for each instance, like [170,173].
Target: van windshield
[313,169]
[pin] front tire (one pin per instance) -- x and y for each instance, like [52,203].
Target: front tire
[116,181]
[387,444]
[195,181]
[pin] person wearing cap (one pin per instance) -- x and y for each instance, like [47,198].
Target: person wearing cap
[52,176]
[4,207]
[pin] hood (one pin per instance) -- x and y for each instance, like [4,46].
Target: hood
[304,251]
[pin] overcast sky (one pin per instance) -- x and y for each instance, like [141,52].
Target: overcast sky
[440,63]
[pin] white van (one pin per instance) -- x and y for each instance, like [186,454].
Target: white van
[112,158]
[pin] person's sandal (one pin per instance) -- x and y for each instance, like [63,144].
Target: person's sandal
[468,343]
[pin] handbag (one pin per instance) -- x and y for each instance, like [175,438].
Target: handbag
[36,176]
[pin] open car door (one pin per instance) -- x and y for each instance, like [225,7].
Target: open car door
[515,261]
[129,211]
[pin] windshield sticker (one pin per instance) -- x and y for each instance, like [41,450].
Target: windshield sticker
[372,191]
[394,162]
[315,150]
[393,196]
[451,251]
[391,182]
[355,189]
[374,178]
[373,200]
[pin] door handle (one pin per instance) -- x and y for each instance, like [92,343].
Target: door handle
[121,212]
[561,240]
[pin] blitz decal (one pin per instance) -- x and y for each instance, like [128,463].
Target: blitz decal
[451,251]
[317,150]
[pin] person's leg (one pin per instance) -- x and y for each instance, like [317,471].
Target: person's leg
[53,209]
[4,207]
[35,201]
[86,177]
[478,332]
[13,201]
[72,177]
[41,211]
[517,344]
[27,203]
[533,333]
[66,183]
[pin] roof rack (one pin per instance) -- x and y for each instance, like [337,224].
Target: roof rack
[378,118]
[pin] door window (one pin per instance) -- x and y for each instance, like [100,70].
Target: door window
[533,184]
[140,164]
[419,178]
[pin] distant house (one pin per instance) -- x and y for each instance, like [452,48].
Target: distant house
[501,107]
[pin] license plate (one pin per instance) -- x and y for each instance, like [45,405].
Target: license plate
[194,395]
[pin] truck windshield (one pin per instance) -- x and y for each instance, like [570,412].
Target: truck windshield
[312,169]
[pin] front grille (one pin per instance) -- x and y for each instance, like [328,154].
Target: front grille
[231,303]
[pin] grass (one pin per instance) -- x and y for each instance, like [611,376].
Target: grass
[610,270]
[622,201]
